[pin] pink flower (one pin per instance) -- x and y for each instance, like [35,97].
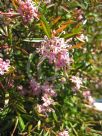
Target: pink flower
[47,100]
[47,93]
[88,97]
[55,50]
[63,133]
[77,81]
[62,58]
[36,88]
[27,10]
[4,66]
[48,89]
[80,17]
[23,91]
[42,109]
[46,105]
[86,94]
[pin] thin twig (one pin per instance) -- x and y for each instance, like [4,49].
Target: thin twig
[15,127]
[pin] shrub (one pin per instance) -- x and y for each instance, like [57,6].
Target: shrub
[47,67]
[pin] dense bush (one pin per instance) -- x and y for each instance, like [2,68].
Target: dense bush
[50,64]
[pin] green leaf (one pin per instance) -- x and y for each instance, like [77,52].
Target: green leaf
[75,30]
[29,129]
[55,116]
[39,125]
[46,27]
[4,112]
[26,117]
[41,133]
[46,134]
[21,108]
[69,35]
[21,123]
[36,40]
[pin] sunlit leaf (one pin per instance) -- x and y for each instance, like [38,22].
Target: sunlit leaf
[56,20]
[15,3]
[68,35]
[34,40]
[63,26]
[39,125]
[46,26]
[21,123]
[77,46]
[55,116]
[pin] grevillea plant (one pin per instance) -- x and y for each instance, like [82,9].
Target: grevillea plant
[46,68]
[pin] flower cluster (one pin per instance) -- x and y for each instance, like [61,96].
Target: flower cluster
[76,81]
[87,95]
[48,89]
[27,10]
[46,105]
[47,93]
[36,88]
[63,133]
[4,66]
[55,50]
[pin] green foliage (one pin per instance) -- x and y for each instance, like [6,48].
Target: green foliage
[20,43]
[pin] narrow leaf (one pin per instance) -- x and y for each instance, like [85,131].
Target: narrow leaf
[21,108]
[14,3]
[56,20]
[21,123]
[55,116]
[77,46]
[46,27]
[39,125]
[77,28]
[64,25]
[34,40]
[68,22]
[69,35]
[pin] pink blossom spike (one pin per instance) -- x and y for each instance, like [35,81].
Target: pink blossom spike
[55,50]
[27,10]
